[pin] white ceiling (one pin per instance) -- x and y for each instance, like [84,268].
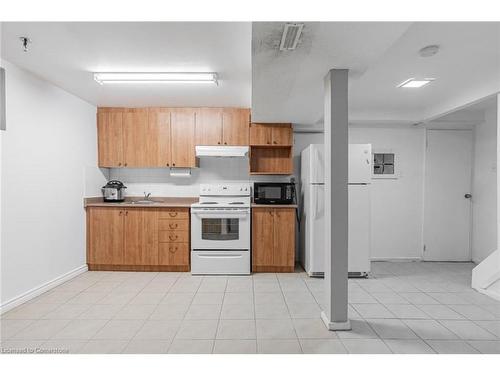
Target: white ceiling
[67,54]
[280,86]
[380,56]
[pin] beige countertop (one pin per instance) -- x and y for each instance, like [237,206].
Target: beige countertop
[162,202]
[274,205]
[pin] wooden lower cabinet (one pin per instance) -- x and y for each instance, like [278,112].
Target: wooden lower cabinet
[105,236]
[273,239]
[138,239]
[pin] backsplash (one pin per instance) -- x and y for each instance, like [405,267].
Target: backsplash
[158,181]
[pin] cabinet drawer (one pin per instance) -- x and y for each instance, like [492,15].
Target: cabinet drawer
[173,254]
[179,213]
[173,236]
[174,224]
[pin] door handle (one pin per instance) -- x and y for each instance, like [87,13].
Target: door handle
[468,196]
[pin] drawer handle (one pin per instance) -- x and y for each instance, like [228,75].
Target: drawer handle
[172,214]
[172,226]
[174,237]
[172,249]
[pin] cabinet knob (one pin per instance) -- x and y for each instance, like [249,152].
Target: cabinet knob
[119,164]
[275,142]
[168,164]
[126,213]
[173,164]
[268,142]
[125,164]
[120,214]
[218,143]
[225,143]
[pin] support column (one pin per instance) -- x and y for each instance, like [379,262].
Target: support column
[334,314]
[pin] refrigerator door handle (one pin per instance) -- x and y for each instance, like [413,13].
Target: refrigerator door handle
[315,204]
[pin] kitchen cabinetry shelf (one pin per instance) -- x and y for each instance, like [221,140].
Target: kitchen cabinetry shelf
[271,149]
[271,160]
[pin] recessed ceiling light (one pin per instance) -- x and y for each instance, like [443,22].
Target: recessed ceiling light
[155,77]
[414,83]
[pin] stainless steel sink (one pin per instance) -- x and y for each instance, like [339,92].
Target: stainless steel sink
[146,202]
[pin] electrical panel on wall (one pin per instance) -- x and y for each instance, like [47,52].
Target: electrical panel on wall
[384,165]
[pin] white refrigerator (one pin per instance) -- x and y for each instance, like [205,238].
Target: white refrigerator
[312,252]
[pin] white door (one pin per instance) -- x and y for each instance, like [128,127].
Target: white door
[447,209]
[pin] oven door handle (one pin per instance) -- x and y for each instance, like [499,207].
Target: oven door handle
[219,256]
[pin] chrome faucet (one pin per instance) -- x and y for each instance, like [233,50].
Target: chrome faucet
[146,196]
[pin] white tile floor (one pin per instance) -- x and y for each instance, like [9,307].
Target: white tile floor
[402,308]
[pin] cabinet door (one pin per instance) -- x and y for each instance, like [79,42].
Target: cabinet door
[282,135]
[236,122]
[209,127]
[105,235]
[284,237]
[110,139]
[182,127]
[141,237]
[159,124]
[262,236]
[140,139]
[260,134]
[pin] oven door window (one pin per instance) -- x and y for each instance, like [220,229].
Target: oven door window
[219,229]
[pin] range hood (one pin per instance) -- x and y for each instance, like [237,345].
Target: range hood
[222,151]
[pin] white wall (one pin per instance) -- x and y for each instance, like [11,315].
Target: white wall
[397,204]
[484,188]
[158,181]
[47,150]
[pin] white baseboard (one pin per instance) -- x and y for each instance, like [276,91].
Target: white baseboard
[397,259]
[35,292]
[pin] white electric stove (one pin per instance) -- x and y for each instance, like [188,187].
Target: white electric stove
[220,230]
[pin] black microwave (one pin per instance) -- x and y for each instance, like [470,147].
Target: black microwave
[274,193]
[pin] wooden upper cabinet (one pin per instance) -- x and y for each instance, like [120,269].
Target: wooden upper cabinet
[182,132]
[105,235]
[236,126]
[284,237]
[282,135]
[141,237]
[271,135]
[261,135]
[209,126]
[159,125]
[262,236]
[110,139]
[140,140]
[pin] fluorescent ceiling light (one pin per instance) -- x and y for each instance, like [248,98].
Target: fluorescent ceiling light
[414,83]
[159,77]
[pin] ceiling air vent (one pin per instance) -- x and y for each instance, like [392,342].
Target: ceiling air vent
[291,36]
